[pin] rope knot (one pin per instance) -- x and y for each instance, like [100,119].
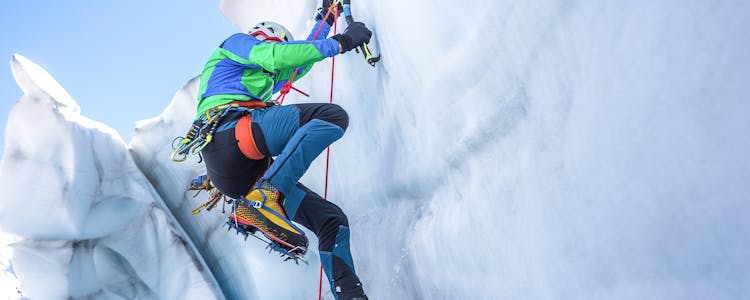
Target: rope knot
[286,88]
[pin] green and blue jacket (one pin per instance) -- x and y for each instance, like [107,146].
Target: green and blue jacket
[244,68]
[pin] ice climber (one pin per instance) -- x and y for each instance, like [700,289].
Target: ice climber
[245,130]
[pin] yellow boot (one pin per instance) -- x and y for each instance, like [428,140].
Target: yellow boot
[261,209]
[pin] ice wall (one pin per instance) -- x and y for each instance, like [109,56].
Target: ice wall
[502,149]
[543,150]
[90,224]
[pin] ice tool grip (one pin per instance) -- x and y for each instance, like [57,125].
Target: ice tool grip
[365,48]
[372,60]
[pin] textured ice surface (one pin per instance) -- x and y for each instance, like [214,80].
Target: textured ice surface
[501,150]
[90,224]
[543,150]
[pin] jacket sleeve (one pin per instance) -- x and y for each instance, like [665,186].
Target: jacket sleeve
[324,30]
[275,57]
[279,56]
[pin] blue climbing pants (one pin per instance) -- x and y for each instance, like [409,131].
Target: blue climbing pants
[295,135]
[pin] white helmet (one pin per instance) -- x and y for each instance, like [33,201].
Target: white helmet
[273,31]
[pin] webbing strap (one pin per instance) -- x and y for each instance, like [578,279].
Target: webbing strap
[251,104]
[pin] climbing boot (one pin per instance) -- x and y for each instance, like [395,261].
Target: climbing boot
[262,210]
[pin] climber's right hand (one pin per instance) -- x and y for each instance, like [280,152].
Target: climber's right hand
[354,36]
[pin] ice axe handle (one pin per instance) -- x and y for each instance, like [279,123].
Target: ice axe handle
[371,59]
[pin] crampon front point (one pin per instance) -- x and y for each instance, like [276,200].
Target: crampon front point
[286,250]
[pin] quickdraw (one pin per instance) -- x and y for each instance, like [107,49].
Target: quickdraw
[199,135]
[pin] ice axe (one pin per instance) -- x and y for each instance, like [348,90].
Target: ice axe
[371,58]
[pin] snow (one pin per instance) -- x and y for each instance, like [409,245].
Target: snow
[522,150]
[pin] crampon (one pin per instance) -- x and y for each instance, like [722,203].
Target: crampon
[286,250]
[261,210]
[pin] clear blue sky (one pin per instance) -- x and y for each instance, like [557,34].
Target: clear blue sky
[122,61]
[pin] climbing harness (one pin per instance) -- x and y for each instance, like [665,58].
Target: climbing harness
[199,136]
[202,131]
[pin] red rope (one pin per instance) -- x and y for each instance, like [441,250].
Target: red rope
[285,90]
[288,86]
[328,150]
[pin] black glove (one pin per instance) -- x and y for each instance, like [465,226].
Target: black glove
[324,10]
[354,36]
